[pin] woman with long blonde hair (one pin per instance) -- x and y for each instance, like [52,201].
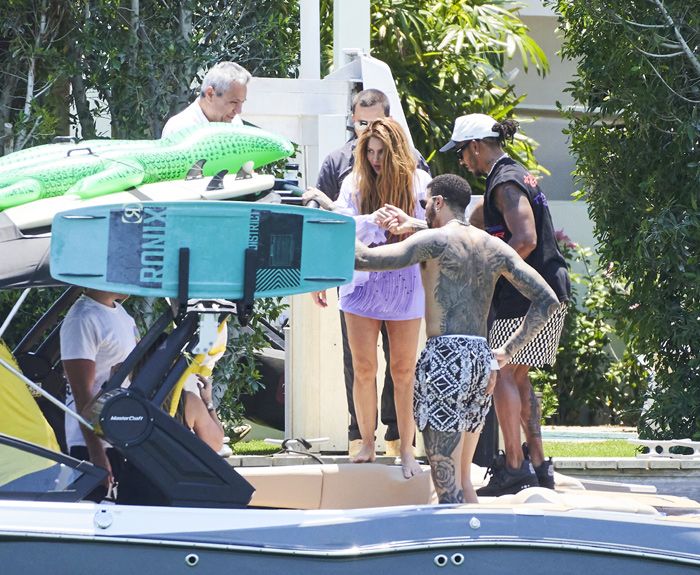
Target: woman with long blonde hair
[384,173]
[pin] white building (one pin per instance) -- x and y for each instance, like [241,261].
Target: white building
[313,112]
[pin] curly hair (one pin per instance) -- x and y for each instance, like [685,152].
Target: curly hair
[394,182]
[506,130]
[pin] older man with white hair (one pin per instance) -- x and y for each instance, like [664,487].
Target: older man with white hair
[221,98]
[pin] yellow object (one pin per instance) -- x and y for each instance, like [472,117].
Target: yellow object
[202,364]
[21,417]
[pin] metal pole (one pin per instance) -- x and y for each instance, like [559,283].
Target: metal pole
[46,395]
[13,311]
[310,17]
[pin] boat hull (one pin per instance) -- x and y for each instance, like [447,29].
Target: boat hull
[406,540]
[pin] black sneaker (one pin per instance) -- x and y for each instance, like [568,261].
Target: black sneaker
[544,471]
[506,481]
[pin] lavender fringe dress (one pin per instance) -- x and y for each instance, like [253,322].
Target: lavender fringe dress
[388,295]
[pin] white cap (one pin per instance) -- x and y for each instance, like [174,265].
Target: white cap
[471,127]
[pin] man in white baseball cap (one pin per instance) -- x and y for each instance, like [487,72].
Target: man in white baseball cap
[515,210]
[471,127]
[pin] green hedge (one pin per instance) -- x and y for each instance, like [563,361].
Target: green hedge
[592,382]
[637,144]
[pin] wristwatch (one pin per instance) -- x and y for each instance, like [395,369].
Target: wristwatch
[210,406]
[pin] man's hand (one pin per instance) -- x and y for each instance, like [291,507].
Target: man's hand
[396,221]
[500,355]
[502,358]
[314,194]
[319,298]
[98,456]
[493,377]
[204,385]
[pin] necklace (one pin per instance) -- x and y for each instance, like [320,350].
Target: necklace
[460,222]
[504,155]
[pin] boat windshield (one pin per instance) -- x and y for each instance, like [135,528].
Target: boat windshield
[28,471]
[21,471]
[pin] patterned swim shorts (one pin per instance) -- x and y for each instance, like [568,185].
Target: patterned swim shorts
[452,374]
[542,350]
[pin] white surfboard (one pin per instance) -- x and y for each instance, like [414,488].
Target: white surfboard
[40,213]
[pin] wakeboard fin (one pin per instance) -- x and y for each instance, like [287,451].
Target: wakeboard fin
[217,182]
[196,171]
[246,170]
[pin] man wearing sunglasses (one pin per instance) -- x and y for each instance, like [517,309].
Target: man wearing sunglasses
[367,105]
[460,268]
[515,210]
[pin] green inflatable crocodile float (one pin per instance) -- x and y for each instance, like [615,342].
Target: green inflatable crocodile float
[88,172]
[51,152]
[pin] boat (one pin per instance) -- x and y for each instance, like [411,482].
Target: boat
[300,519]
[46,527]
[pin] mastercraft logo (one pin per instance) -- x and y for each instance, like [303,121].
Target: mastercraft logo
[126,418]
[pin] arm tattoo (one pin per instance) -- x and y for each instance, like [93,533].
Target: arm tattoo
[544,302]
[515,208]
[441,449]
[507,197]
[419,247]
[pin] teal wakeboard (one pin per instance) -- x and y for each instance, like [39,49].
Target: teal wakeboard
[137,248]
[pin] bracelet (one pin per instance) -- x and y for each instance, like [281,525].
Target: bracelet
[210,406]
[494,365]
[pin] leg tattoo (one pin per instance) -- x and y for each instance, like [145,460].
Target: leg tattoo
[442,450]
[535,416]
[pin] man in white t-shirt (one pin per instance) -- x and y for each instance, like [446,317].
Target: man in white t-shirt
[97,335]
[223,92]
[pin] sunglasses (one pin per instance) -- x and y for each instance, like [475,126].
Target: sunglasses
[423,203]
[361,125]
[460,149]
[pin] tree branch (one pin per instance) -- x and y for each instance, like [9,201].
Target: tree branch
[694,62]
[660,77]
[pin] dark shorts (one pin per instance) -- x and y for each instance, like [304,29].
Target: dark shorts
[452,374]
[540,351]
[134,487]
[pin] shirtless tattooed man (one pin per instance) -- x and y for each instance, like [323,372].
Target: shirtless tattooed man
[455,374]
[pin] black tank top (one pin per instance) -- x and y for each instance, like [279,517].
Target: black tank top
[545,258]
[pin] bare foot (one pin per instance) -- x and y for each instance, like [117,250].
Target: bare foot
[409,465]
[366,454]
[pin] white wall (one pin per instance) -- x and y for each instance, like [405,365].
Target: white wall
[539,115]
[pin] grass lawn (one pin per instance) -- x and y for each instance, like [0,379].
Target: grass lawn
[610,448]
[254,447]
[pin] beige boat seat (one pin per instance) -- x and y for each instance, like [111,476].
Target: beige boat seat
[351,486]
[337,486]
[347,486]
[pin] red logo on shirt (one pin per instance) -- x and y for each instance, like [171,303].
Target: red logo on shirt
[530,180]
